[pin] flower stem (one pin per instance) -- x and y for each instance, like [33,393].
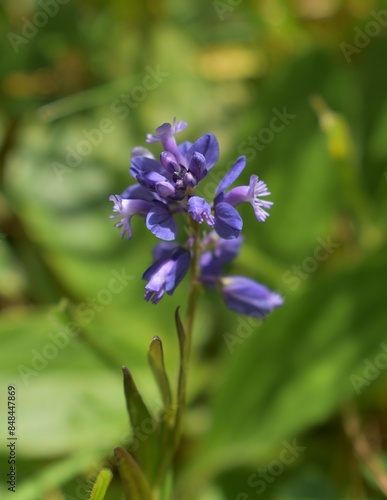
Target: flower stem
[194,286]
[186,347]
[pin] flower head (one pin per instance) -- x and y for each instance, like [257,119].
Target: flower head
[181,167]
[167,187]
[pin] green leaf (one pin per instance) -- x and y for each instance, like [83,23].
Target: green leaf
[101,484]
[181,334]
[56,474]
[134,481]
[182,383]
[297,368]
[145,441]
[156,361]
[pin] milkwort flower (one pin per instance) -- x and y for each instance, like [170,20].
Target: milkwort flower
[166,187]
[172,179]
[166,273]
[169,187]
[240,294]
[246,296]
[226,220]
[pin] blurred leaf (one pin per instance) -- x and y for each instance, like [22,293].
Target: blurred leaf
[56,474]
[146,442]
[298,364]
[156,361]
[182,381]
[336,129]
[134,482]
[101,484]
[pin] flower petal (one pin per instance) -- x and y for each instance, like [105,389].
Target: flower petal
[169,162]
[208,146]
[232,175]
[200,210]
[157,182]
[166,130]
[198,166]
[140,151]
[126,209]
[184,147]
[228,222]
[220,253]
[165,134]
[142,164]
[163,250]
[161,223]
[183,261]
[252,194]
[166,273]
[249,297]
[136,192]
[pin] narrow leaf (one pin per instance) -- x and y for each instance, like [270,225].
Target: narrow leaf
[134,402]
[156,361]
[145,428]
[180,333]
[181,391]
[101,484]
[136,486]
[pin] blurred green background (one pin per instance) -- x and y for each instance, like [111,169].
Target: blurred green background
[227,67]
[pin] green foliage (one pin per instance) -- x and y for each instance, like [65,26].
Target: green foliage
[101,484]
[251,387]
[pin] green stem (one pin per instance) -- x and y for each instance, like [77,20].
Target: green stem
[191,307]
[184,334]
[194,288]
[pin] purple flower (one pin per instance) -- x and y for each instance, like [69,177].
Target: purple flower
[226,221]
[252,194]
[167,272]
[166,187]
[181,167]
[246,296]
[165,135]
[200,210]
[160,222]
[134,201]
[219,253]
[137,200]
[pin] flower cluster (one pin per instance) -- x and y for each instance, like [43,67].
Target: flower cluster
[167,187]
